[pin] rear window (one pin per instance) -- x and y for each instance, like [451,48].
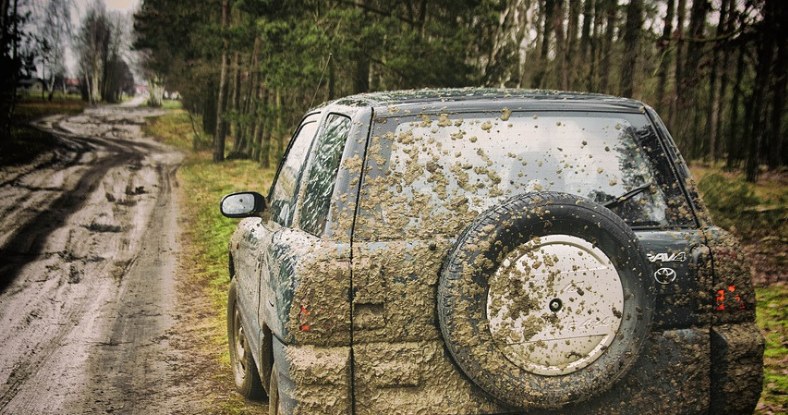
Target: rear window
[432,174]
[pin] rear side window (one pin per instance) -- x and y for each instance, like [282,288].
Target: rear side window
[283,195]
[323,174]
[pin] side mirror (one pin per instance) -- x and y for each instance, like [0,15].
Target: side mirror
[242,204]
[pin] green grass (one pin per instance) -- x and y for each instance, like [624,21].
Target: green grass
[171,104]
[751,210]
[772,318]
[25,142]
[206,232]
[175,129]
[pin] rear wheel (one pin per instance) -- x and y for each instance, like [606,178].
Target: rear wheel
[247,380]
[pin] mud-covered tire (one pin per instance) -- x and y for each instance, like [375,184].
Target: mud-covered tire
[536,369]
[245,375]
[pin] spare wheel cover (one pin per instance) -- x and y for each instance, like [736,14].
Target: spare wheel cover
[545,300]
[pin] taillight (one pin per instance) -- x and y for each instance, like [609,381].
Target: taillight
[302,317]
[728,299]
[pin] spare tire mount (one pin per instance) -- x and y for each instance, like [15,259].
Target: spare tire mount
[544,301]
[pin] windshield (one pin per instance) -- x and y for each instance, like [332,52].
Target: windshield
[429,167]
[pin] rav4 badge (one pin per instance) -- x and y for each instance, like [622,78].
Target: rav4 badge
[666,257]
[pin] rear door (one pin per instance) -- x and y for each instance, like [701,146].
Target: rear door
[260,233]
[299,235]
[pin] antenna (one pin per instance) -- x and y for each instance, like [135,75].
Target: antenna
[322,74]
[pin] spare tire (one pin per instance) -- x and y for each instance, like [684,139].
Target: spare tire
[545,300]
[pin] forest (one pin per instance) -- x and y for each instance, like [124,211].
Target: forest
[714,70]
[246,70]
[36,36]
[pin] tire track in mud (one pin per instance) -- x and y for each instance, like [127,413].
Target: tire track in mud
[139,337]
[26,243]
[86,280]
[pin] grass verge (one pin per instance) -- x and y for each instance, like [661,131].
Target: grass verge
[772,317]
[205,236]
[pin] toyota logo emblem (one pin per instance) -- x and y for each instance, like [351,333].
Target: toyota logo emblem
[665,275]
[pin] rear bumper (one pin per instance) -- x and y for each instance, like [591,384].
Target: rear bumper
[691,371]
[313,380]
[737,368]
[686,371]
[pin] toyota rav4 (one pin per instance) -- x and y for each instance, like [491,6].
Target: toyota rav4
[487,252]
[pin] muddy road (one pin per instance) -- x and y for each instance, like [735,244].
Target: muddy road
[88,273]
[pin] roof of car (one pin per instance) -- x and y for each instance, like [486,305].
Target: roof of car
[483,97]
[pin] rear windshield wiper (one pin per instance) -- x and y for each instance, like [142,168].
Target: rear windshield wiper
[628,195]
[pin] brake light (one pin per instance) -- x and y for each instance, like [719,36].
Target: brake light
[302,315]
[733,300]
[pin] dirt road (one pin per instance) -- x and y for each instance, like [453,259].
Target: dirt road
[88,264]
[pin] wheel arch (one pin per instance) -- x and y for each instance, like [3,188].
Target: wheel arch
[266,363]
[230,265]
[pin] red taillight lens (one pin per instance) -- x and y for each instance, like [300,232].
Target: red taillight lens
[302,315]
[728,298]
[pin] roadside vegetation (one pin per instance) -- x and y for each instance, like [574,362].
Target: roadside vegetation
[25,142]
[758,214]
[205,236]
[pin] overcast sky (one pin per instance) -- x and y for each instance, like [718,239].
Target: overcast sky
[80,7]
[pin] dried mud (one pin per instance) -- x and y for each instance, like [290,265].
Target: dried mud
[89,311]
[424,179]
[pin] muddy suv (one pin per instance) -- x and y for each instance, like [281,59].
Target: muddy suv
[487,252]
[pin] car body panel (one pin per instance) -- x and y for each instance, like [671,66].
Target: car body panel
[353,311]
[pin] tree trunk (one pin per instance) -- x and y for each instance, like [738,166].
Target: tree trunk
[331,79]
[696,70]
[538,80]
[251,101]
[361,70]
[221,123]
[209,107]
[4,5]
[560,44]
[585,31]
[664,60]
[155,91]
[604,67]
[735,132]
[236,101]
[631,45]
[759,92]
[678,84]
[571,48]
[722,97]
[714,96]
[592,83]
[777,156]
[282,137]
[264,131]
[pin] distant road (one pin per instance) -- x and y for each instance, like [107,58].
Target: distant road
[89,243]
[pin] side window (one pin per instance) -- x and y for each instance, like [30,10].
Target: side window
[323,174]
[282,198]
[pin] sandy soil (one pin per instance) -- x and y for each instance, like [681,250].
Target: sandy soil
[89,311]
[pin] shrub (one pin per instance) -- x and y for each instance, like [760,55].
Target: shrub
[735,206]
